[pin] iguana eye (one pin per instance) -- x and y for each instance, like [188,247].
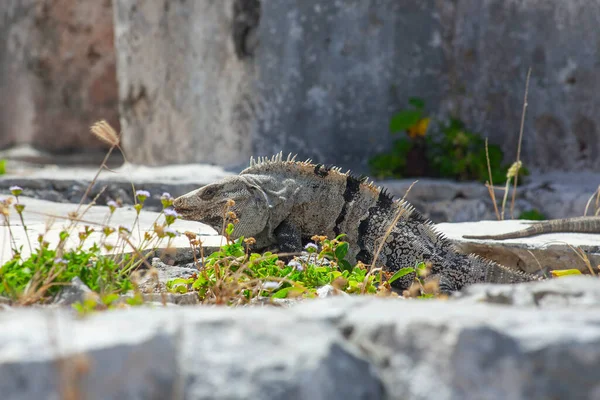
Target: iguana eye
[208,193]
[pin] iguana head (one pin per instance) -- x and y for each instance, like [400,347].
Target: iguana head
[210,203]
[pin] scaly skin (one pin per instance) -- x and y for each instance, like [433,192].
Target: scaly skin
[282,202]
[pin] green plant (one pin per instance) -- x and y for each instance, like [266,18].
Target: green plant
[2,166]
[532,215]
[105,266]
[448,151]
[233,274]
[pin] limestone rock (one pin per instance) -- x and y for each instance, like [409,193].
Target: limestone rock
[535,254]
[571,291]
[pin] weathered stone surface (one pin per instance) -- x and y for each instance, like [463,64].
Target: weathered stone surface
[156,281]
[324,349]
[38,214]
[144,353]
[491,44]
[533,254]
[183,90]
[57,73]
[302,76]
[332,72]
[572,291]
[450,351]
[75,292]
[68,185]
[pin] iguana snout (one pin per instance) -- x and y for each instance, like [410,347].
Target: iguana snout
[231,198]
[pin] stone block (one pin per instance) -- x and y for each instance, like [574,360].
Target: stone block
[57,73]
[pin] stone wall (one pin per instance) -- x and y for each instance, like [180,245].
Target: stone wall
[57,72]
[491,47]
[218,81]
[183,87]
[322,78]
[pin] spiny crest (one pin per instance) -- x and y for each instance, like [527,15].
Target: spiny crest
[257,163]
[492,264]
[277,158]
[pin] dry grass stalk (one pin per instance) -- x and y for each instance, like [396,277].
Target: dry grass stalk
[516,178]
[401,211]
[490,184]
[596,205]
[581,254]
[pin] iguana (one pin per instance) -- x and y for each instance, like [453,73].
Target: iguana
[589,224]
[284,202]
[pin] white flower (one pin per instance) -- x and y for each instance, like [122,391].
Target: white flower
[270,285]
[311,247]
[296,264]
[170,212]
[142,193]
[171,232]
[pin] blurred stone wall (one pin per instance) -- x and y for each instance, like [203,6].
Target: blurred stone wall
[57,73]
[218,81]
[322,78]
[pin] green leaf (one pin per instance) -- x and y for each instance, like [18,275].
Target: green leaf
[400,273]
[282,293]
[404,120]
[532,215]
[2,166]
[110,298]
[341,250]
[416,102]
[345,265]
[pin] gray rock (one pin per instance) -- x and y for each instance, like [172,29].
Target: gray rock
[431,349]
[75,292]
[69,184]
[330,291]
[213,353]
[180,299]
[154,281]
[355,347]
[570,291]
[535,254]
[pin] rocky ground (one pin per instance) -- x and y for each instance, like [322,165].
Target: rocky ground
[537,341]
[529,341]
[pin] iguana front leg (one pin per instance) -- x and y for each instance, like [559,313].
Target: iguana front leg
[289,239]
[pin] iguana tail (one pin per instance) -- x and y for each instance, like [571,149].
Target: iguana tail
[476,269]
[577,224]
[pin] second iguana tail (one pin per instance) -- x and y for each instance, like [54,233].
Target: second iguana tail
[569,225]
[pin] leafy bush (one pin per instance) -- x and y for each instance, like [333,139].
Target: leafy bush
[532,215]
[449,151]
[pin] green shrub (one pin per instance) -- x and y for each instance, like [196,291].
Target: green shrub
[446,150]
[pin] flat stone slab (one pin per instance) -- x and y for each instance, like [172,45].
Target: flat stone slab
[530,254]
[38,215]
[569,291]
[339,348]
[69,184]
[180,173]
